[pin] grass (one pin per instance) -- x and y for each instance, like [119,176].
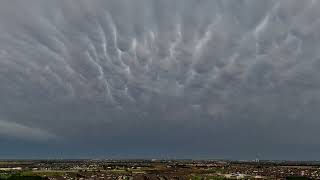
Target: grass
[4,176]
[118,170]
[215,178]
[20,177]
[43,173]
[214,170]
[202,177]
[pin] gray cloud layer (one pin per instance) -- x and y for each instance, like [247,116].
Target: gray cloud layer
[20,131]
[206,75]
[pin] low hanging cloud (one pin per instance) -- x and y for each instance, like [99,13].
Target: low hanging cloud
[20,131]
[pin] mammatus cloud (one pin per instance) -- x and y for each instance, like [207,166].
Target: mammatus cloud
[155,73]
[12,129]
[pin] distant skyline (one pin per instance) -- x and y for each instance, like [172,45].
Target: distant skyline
[216,79]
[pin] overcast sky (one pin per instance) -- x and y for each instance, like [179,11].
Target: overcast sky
[235,79]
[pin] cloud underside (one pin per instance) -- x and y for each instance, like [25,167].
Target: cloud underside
[243,70]
[19,131]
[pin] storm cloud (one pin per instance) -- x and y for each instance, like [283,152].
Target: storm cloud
[209,78]
[24,132]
